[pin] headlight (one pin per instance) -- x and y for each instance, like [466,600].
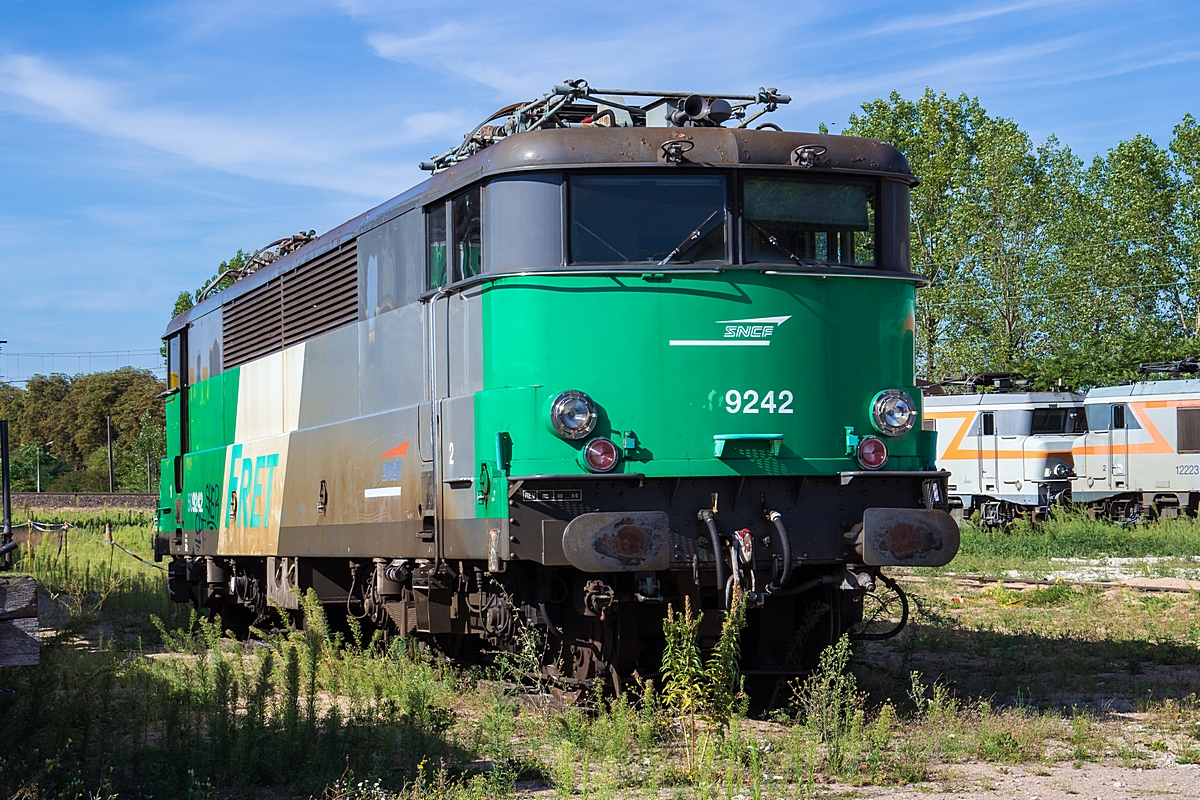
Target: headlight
[872,452]
[600,455]
[893,412]
[573,415]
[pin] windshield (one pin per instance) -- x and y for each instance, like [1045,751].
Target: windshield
[1058,420]
[641,219]
[829,222]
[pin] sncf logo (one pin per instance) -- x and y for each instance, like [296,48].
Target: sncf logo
[393,470]
[760,328]
[756,332]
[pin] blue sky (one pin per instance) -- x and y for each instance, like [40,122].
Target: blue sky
[143,143]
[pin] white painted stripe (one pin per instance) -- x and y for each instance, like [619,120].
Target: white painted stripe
[720,343]
[776,320]
[383,491]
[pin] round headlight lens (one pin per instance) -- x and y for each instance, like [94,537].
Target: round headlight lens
[600,455]
[872,452]
[573,415]
[893,412]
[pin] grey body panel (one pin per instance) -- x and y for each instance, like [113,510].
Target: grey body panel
[525,215]
[204,347]
[391,264]
[347,456]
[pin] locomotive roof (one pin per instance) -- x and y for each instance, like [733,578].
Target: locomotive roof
[591,148]
[1189,386]
[1003,399]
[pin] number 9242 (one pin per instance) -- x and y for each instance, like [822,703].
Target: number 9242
[748,402]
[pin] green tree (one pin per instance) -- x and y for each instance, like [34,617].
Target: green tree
[1040,264]
[937,136]
[70,412]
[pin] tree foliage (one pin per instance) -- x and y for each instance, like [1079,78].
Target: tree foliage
[1038,262]
[70,412]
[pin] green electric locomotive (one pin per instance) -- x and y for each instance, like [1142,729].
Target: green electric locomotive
[619,350]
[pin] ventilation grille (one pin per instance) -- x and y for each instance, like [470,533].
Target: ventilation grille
[317,297]
[321,295]
[251,325]
[1188,431]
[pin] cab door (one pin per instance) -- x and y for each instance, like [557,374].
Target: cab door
[170,489]
[988,457]
[1118,450]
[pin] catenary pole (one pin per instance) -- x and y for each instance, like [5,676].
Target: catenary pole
[111,484]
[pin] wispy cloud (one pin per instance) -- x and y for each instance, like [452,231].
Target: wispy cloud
[269,147]
[921,23]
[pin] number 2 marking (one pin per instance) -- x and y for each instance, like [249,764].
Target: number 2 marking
[747,402]
[451,454]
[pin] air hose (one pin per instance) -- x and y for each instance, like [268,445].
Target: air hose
[708,519]
[786,545]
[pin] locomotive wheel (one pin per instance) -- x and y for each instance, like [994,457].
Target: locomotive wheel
[885,612]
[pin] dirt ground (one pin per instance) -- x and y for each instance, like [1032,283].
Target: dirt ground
[990,782]
[1059,782]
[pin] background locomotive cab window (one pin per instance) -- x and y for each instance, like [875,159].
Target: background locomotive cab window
[641,219]
[1058,420]
[1104,417]
[989,424]
[1187,430]
[822,221]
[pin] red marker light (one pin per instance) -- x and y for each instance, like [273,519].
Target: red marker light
[872,452]
[600,455]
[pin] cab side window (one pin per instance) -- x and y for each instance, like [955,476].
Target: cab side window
[174,366]
[989,423]
[454,232]
[1118,417]
[435,235]
[467,226]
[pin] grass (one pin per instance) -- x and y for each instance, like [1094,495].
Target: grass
[135,698]
[1168,545]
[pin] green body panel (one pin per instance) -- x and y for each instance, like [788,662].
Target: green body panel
[173,405]
[212,421]
[844,340]
[643,349]
[212,411]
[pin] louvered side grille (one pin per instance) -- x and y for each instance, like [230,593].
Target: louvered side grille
[251,325]
[310,300]
[321,295]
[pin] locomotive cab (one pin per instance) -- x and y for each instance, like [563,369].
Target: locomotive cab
[1008,453]
[1141,456]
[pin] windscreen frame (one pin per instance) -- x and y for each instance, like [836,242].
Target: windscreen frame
[882,217]
[732,207]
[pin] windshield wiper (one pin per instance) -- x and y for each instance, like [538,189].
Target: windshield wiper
[691,237]
[598,238]
[778,246]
